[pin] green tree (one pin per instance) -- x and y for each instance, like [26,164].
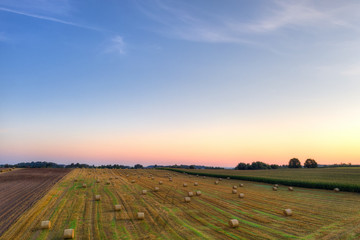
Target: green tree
[137,166]
[294,163]
[310,163]
[241,166]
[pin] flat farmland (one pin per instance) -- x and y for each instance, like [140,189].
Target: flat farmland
[317,214]
[20,189]
[345,178]
[4,170]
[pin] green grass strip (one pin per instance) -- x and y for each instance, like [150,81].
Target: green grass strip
[288,182]
[113,198]
[183,223]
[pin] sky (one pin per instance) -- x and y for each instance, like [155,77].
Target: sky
[204,82]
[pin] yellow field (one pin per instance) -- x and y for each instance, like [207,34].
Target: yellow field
[317,214]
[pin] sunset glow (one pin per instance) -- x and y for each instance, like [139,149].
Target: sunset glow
[168,82]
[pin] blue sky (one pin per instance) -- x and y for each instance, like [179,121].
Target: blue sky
[214,82]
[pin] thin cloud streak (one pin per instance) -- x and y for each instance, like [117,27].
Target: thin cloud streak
[303,14]
[117,45]
[184,23]
[51,19]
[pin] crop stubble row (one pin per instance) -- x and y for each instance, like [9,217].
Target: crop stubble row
[168,217]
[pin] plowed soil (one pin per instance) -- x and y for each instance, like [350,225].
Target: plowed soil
[20,189]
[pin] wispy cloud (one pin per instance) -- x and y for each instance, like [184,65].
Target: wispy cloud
[305,13]
[116,45]
[284,14]
[51,19]
[197,24]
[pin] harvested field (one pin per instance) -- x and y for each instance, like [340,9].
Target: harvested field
[316,214]
[20,189]
[4,170]
[345,178]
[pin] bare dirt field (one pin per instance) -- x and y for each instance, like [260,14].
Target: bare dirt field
[20,189]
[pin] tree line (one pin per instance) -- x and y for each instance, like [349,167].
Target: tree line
[72,165]
[293,163]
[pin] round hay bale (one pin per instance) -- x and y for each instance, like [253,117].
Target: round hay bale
[84,185]
[190,194]
[336,190]
[118,207]
[234,191]
[228,178]
[198,193]
[152,178]
[276,185]
[234,187]
[170,179]
[241,185]
[275,188]
[291,189]
[233,223]
[187,199]
[69,233]
[107,182]
[97,197]
[288,212]
[184,184]
[241,195]
[143,192]
[97,180]
[204,177]
[140,215]
[220,179]
[216,182]
[156,189]
[132,181]
[196,184]
[45,224]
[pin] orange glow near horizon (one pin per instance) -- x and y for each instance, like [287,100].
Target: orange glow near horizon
[210,145]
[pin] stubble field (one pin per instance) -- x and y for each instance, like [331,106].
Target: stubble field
[317,214]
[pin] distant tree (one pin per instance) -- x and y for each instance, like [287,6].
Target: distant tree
[310,163]
[255,166]
[138,166]
[274,166]
[294,163]
[192,167]
[241,166]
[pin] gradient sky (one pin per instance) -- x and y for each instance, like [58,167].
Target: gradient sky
[195,82]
